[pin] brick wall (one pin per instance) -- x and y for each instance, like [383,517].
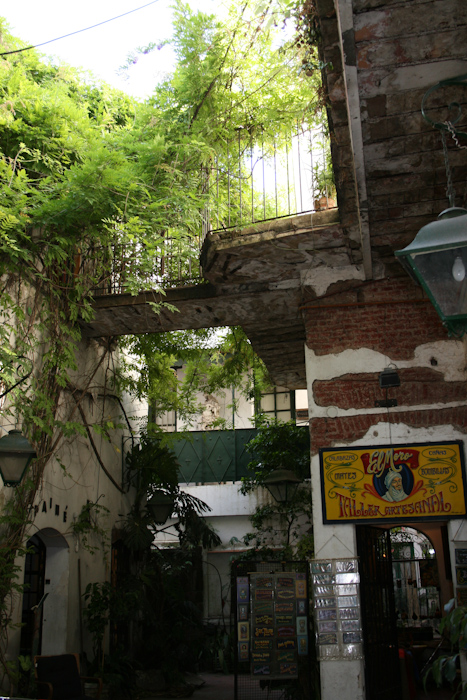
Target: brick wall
[325,432]
[419,385]
[389,316]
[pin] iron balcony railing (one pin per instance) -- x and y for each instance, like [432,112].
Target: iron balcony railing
[263,176]
[133,267]
[257,178]
[214,456]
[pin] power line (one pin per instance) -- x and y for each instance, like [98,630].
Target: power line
[78,31]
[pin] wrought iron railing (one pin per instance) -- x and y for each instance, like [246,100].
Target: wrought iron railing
[259,177]
[133,267]
[263,176]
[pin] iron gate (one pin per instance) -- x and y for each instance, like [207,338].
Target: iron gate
[382,673]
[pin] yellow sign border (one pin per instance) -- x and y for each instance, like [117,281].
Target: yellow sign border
[389,483]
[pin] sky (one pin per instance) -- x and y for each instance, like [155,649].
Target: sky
[105,48]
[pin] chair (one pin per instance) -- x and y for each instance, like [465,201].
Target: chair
[58,678]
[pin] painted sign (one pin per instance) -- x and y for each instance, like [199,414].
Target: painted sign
[403,482]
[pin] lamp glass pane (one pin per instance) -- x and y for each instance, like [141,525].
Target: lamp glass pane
[12,466]
[278,491]
[161,513]
[435,270]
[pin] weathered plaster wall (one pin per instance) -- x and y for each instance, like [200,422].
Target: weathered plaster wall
[72,477]
[349,342]
[382,57]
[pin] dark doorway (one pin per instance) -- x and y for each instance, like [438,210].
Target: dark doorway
[31,631]
[418,580]
[382,673]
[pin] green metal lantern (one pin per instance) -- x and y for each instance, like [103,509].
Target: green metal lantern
[15,456]
[160,506]
[282,484]
[437,259]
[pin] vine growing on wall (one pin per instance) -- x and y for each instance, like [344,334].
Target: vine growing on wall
[88,176]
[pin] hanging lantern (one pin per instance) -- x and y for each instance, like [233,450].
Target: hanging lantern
[282,484]
[160,506]
[15,456]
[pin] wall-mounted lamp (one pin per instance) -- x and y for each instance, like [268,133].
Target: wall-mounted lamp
[388,379]
[15,456]
[282,484]
[437,257]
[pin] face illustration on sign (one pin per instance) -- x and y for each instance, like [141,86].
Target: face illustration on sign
[395,489]
[394,484]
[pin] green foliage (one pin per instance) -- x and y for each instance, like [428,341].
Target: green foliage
[454,628]
[21,673]
[87,524]
[157,594]
[153,466]
[214,361]
[277,445]
[323,177]
[95,188]
[104,602]
[287,525]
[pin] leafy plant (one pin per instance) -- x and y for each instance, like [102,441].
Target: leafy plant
[87,524]
[286,525]
[153,466]
[105,602]
[323,174]
[454,627]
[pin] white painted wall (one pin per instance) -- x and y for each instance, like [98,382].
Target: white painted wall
[57,574]
[71,478]
[345,679]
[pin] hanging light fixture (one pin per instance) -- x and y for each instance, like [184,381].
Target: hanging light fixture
[282,484]
[160,506]
[15,456]
[437,257]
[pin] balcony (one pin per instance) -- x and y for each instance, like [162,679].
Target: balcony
[214,457]
[246,186]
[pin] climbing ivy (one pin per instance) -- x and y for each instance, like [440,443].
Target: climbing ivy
[89,176]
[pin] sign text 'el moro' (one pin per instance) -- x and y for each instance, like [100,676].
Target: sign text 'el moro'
[409,482]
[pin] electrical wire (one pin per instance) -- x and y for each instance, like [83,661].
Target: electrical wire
[78,31]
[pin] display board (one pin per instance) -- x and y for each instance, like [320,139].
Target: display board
[272,620]
[336,603]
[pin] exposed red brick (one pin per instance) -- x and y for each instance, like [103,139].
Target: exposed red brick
[325,432]
[418,386]
[360,318]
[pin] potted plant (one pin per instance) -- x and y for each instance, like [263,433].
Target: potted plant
[324,187]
